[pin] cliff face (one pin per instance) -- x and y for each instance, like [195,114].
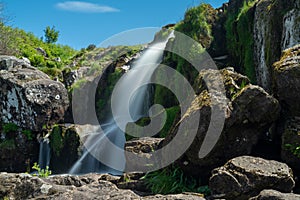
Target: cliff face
[257,32]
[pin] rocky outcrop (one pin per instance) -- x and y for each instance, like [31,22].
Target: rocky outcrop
[245,177]
[275,195]
[287,80]
[29,98]
[248,115]
[92,186]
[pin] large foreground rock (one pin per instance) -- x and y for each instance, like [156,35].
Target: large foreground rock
[275,195]
[28,97]
[92,186]
[246,176]
[248,112]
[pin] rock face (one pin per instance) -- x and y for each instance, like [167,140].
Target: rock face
[261,30]
[287,89]
[287,80]
[29,98]
[246,176]
[275,195]
[248,116]
[92,186]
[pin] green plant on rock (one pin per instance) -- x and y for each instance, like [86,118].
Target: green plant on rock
[42,173]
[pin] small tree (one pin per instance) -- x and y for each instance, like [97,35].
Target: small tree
[51,35]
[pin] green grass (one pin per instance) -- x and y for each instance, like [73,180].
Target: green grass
[172,180]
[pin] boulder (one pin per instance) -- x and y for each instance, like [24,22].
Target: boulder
[244,177]
[275,195]
[290,149]
[65,187]
[29,98]
[141,147]
[248,112]
[287,80]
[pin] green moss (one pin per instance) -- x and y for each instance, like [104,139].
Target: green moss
[239,37]
[56,140]
[9,128]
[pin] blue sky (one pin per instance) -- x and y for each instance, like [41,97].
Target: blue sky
[90,22]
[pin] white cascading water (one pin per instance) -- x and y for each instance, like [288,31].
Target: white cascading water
[260,32]
[44,154]
[138,76]
[291,29]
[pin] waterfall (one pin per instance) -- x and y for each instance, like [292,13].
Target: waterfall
[260,35]
[132,87]
[291,29]
[44,154]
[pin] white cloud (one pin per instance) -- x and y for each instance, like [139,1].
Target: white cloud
[79,6]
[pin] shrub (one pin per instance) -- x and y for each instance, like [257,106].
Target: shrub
[42,173]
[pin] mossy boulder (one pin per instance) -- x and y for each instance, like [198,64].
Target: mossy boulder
[287,80]
[248,112]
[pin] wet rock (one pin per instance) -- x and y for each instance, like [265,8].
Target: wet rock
[243,114]
[65,146]
[275,195]
[91,186]
[287,80]
[29,98]
[246,176]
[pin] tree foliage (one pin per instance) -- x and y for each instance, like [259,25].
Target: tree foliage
[51,35]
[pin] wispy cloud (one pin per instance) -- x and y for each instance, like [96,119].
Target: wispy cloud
[79,6]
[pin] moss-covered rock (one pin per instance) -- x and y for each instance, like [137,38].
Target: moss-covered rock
[248,112]
[64,143]
[287,81]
